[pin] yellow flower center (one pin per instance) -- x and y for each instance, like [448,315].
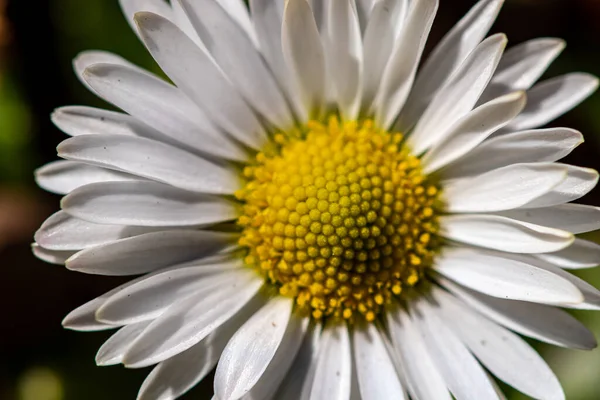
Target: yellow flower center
[340,217]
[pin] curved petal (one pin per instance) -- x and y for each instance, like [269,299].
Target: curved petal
[575,218]
[146,204]
[178,374]
[162,106]
[192,319]
[399,74]
[113,350]
[579,182]
[504,234]
[131,7]
[279,368]
[472,129]
[423,378]
[304,55]
[543,145]
[253,347]
[234,52]
[465,378]
[522,65]
[148,252]
[459,95]
[377,376]
[58,257]
[63,177]
[333,374]
[447,58]
[548,324]
[267,18]
[503,188]
[200,78]
[503,353]
[386,20]
[343,30]
[151,295]
[552,98]
[63,232]
[151,159]
[81,120]
[506,278]
[580,254]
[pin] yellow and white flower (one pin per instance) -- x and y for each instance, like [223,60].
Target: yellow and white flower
[317,219]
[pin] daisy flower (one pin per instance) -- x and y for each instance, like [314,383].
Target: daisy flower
[319,214]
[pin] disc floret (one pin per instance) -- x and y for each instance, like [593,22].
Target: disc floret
[340,217]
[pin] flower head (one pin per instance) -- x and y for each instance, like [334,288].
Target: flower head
[315,218]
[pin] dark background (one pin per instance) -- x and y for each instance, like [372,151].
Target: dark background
[38,39]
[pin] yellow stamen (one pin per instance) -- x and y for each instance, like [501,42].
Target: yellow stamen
[340,217]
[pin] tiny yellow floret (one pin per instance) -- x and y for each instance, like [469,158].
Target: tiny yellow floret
[340,217]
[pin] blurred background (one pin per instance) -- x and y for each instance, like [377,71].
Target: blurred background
[41,361]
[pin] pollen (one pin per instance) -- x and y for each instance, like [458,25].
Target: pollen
[340,217]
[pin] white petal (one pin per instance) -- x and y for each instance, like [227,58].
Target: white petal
[544,145]
[503,353]
[251,350]
[148,252]
[552,98]
[387,18]
[58,257]
[236,55]
[63,232]
[344,35]
[151,295]
[506,278]
[333,374]
[461,371]
[447,57]
[267,18]
[81,120]
[304,55]
[521,66]
[151,159]
[423,378]
[88,58]
[162,106]
[399,74]
[194,71]
[579,182]
[297,385]
[459,95]
[472,129]
[63,177]
[503,188]
[187,322]
[575,218]
[541,322]
[83,318]
[504,234]
[183,22]
[239,12]
[591,295]
[131,7]
[364,9]
[377,377]
[580,254]
[279,367]
[179,373]
[113,350]
[145,204]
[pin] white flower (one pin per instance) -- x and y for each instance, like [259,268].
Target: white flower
[315,218]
